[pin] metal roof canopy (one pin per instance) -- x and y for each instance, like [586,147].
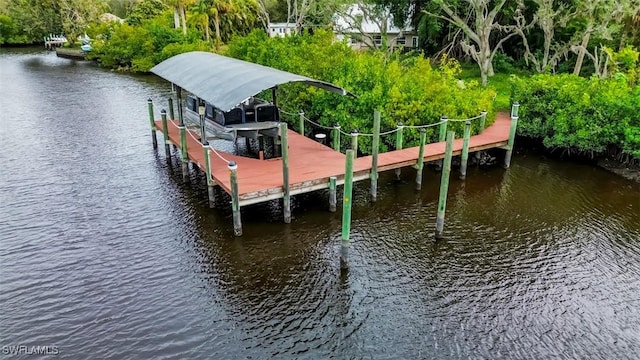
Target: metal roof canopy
[225,82]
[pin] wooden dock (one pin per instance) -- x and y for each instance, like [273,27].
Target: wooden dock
[312,164]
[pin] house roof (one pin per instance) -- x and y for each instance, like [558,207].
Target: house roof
[225,82]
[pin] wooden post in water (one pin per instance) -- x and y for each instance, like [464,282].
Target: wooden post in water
[235,199]
[286,203]
[465,149]
[336,137]
[483,122]
[153,124]
[346,209]
[375,146]
[354,142]
[333,198]
[512,134]
[165,132]
[184,157]
[210,185]
[443,134]
[399,140]
[444,185]
[301,123]
[420,164]
[171,113]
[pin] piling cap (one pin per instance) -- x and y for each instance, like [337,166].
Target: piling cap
[468,122]
[163,111]
[149,100]
[443,117]
[354,131]
[336,125]
[515,103]
[232,165]
[423,130]
[400,124]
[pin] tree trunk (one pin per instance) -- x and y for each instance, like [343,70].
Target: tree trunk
[583,49]
[206,30]
[216,24]
[184,20]
[176,18]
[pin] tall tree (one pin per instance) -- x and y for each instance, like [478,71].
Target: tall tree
[478,20]
[549,15]
[597,17]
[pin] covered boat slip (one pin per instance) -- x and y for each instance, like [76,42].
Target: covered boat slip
[222,93]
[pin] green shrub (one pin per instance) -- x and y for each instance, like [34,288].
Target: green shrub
[407,90]
[587,116]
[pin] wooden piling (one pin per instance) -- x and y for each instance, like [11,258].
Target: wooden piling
[465,149]
[512,134]
[165,132]
[171,113]
[483,122]
[286,203]
[153,124]
[210,184]
[444,185]
[375,147]
[336,137]
[442,135]
[235,200]
[420,164]
[512,137]
[354,142]
[301,122]
[346,209]
[399,141]
[184,155]
[333,198]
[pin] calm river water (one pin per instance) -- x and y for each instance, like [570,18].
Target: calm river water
[104,253]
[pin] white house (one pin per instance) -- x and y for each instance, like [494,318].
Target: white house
[281,29]
[363,28]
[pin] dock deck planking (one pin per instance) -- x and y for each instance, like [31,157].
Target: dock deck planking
[311,163]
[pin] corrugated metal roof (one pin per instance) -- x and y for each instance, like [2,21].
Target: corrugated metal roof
[225,82]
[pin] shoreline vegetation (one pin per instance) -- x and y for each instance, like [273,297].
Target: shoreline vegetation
[588,113]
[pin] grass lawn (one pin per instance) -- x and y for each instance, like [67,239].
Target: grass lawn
[500,82]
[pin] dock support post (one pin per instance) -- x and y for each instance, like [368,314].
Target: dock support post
[346,209]
[483,122]
[512,134]
[420,163]
[286,203]
[375,146]
[465,150]
[235,201]
[354,142]
[336,137]
[165,132]
[301,122]
[333,198]
[444,185]
[443,134]
[207,166]
[399,141]
[153,124]
[184,157]
[171,113]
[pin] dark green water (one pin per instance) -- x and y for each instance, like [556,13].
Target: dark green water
[104,253]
